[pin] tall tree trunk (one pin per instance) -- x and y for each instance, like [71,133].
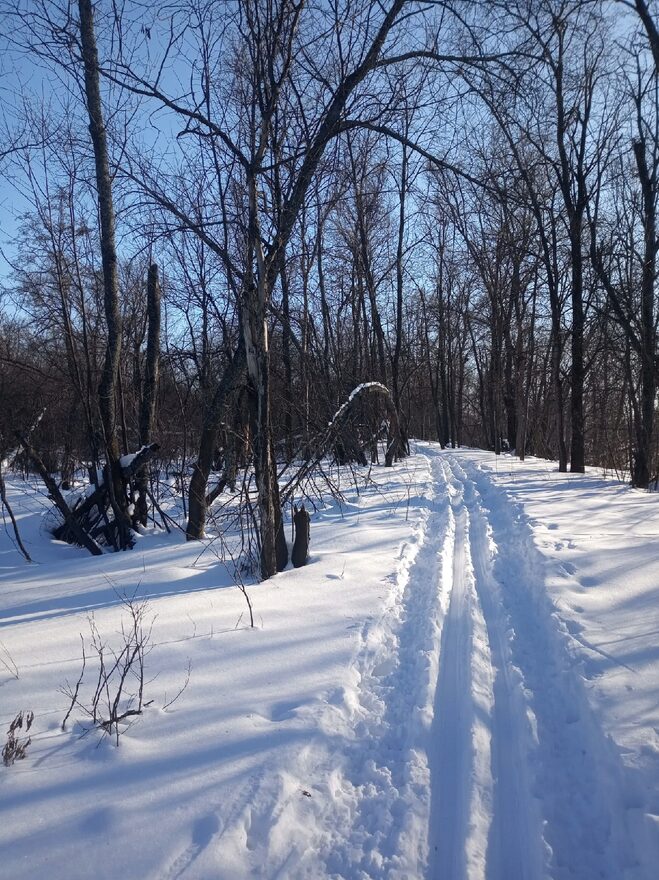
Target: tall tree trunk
[395,361]
[577,373]
[232,377]
[265,468]
[256,295]
[557,382]
[286,358]
[509,400]
[152,366]
[648,336]
[150,384]
[524,365]
[108,384]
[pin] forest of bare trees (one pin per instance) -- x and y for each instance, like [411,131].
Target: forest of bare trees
[237,212]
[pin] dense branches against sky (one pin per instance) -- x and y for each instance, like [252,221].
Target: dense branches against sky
[454,199]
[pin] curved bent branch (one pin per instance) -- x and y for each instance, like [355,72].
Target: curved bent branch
[328,437]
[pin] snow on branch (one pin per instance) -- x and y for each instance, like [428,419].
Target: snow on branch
[131,464]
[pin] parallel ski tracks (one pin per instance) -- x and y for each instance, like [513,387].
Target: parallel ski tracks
[453,713]
[514,765]
[482,808]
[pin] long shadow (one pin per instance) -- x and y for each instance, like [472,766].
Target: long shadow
[210,576]
[104,597]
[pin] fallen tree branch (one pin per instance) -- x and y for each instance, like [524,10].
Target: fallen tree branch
[131,464]
[71,521]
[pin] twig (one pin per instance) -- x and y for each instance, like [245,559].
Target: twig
[74,696]
[165,516]
[7,505]
[8,662]
[181,689]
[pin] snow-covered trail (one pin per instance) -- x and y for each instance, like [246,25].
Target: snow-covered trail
[450,812]
[461,685]
[525,783]
[483,819]
[514,841]
[476,753]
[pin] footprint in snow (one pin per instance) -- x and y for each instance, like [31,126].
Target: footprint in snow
[284,711]
[574,627]
[204,829]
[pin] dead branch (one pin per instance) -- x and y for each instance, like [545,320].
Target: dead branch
[71,521]
[325,441]
[7,506]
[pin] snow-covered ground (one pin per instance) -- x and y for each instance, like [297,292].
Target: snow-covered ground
[462,683]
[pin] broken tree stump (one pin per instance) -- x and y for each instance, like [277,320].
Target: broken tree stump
[302,523]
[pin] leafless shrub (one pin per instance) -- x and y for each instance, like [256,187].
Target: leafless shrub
[118,693]
[16,746]
[219,547]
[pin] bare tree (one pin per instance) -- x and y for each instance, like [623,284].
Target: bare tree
[269,38]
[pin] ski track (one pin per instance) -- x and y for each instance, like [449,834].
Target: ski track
[475,754]
[380,820]
[508,819]
[525,783]
[480,823]
[453,709]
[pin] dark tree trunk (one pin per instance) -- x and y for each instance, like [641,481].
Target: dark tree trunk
[108,385]
[642,459]
[395,361]
[578,371]
[557,382]
[150,385]
[286,359]
[233,376]
[509,398]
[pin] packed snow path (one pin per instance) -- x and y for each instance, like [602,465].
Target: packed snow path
[477,755]
[524,783]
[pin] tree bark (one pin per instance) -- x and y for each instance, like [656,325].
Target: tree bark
[150,386]
[642,460]
[233,376]
[109,378]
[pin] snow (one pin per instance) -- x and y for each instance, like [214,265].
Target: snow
[126,460]
[462,683]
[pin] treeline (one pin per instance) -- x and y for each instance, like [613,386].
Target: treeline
[455,200]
